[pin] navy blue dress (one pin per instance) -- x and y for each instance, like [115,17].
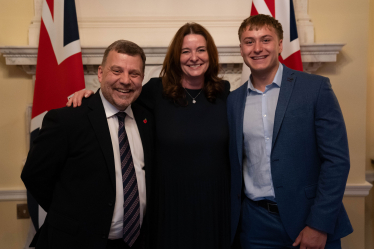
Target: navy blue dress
[191,180]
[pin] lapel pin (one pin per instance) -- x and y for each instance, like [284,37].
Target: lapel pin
[145,121]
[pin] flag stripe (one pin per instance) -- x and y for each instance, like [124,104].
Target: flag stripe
[59,71]
[50,6]
[71,32]
[293,27]
[291,59]
[283,11]
[261,7]
[271,6]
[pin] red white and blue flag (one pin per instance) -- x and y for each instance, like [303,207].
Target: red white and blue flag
[283,11]
[59,71]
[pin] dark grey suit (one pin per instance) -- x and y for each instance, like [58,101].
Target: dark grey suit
[70,172]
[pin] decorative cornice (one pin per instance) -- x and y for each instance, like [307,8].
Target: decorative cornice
[321,48]
[313,55]
[152,21]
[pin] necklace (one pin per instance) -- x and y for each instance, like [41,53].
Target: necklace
[193,99]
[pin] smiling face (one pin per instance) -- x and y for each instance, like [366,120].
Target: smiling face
[260,49]
[121,79]
[194,57]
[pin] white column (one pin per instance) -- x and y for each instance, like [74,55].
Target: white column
[305,27]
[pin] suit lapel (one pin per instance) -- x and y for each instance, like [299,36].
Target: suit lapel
[288,81]
[99,123]
[239,118]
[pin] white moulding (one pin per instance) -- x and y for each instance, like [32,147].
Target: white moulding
[13,195]
[351,190]
[312,55]
[358,190]
[370,176]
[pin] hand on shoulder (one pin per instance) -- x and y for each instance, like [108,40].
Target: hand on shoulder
[76,98]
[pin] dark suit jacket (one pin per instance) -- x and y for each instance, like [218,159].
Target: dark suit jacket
[309,156]
[70,172]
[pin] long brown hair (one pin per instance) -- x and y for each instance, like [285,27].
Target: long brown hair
[171,72]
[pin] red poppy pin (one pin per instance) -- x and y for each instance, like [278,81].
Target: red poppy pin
[145,121]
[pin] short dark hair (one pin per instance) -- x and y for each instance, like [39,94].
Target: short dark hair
[124,47]
[259,21]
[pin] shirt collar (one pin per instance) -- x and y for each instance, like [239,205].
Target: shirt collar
[110,110]
[277,78]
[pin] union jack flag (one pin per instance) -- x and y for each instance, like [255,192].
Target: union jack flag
[283,11]
[59,71]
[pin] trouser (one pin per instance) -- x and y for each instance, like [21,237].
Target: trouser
[262,229]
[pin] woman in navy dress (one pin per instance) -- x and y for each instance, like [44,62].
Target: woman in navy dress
[191,185]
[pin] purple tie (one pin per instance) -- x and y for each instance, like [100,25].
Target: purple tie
[131,212]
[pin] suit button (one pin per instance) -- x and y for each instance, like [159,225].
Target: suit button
[104,236]
[110,204]
[238,196]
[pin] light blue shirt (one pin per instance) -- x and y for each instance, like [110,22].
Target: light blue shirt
[258,135]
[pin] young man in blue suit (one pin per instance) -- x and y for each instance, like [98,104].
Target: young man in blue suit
[288,150]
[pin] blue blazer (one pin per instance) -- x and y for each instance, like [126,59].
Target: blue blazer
[309,156]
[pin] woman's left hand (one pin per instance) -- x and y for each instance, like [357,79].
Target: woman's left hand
[76,99]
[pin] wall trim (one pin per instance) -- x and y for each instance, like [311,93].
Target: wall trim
[174,22]
[357,190]
[370,176]
[13,195]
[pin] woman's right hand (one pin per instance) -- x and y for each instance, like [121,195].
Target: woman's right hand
[77,97]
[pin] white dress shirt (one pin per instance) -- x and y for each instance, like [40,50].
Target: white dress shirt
[258,126]
[116,229]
